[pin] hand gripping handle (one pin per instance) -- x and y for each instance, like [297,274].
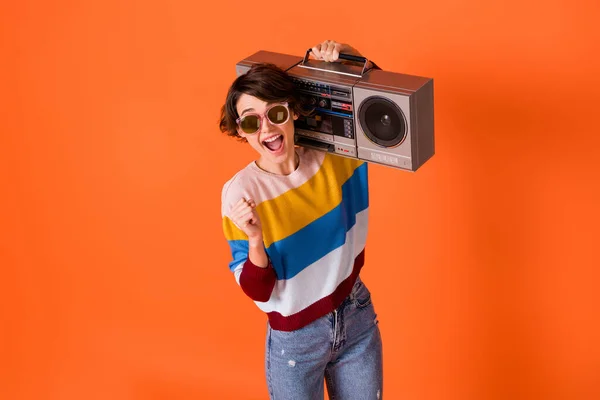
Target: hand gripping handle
[343,56]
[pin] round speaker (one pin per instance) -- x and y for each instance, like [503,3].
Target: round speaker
[382,121]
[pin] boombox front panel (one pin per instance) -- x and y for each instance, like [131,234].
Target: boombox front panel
[398,155]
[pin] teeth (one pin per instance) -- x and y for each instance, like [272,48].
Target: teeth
[272,139]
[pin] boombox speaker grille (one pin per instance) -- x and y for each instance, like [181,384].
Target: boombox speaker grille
[382,121]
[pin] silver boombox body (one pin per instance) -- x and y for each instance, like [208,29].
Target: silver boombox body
[371,115]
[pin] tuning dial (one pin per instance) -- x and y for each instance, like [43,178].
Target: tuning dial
[323,103]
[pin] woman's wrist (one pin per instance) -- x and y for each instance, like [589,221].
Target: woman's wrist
[255,243]
[257,254]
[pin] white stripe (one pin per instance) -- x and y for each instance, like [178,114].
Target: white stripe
[322,277]
[237,271]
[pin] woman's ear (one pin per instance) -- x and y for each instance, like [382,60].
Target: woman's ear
[295,116]
[241,134]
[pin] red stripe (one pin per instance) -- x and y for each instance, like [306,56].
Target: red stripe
[257,282]
[320,308]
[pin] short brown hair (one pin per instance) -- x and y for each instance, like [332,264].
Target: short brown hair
[266,82]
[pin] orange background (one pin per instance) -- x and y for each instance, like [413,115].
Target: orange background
[483,264]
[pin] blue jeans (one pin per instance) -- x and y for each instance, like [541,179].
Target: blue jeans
[344,347]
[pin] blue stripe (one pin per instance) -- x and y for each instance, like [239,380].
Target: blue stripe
[239,252]
[291,255]
[323,235]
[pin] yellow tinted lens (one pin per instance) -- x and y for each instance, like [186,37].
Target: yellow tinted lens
[250,124]
[278,114]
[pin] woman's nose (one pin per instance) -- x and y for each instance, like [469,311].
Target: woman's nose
[265,124]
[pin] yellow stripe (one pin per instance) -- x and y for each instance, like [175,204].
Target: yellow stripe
[296,208]
[231,231]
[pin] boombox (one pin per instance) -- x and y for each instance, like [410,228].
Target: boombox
[359,112]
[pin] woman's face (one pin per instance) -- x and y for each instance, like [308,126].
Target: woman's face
[274,143]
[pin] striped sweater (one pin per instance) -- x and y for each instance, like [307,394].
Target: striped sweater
[314,230]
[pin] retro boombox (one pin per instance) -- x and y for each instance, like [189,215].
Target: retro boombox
[367,114]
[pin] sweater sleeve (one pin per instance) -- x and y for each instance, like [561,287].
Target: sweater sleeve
[257,282]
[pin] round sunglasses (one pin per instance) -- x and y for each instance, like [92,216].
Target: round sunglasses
[277,114]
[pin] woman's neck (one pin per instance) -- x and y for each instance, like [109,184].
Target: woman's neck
[284,168]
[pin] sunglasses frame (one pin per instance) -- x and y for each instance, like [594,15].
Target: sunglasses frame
[261,116]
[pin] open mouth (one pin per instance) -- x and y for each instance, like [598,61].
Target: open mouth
[274,143]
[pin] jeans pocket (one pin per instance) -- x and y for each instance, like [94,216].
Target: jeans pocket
[362,297]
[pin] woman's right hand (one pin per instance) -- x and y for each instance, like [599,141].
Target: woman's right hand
[330,50]
[244,216]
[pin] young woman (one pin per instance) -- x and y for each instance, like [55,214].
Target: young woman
[296,222]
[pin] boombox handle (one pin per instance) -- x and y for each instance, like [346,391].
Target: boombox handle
[343,56]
